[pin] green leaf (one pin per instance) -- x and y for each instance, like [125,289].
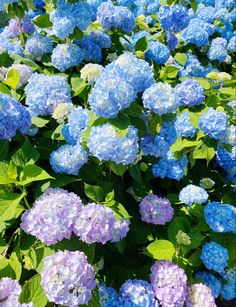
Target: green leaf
[139,124]
[26,61]
[181,58]
[13,78]
[118,169]
[120,123]
[194,5]
[118,208]
[180,144]
[33,292]
[37,257]
[203,151]
[194,259]
[229,91]
[39,122]
[10,267]
[154,124]
[142,44]
[135,173]
[204,83]
[5,60]
[43,21]
[134,110]
[94,192]
[196,239]
[178,223]
[78,34]
[8,173]
[161,249]
[26,155]
[32,173]
[77,85]
[4,147]
[168,72]
[4,89]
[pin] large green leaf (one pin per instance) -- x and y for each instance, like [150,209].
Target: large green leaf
[8,173]
[142,44]
[161,249]
[13,78]
[43,21]
[10,267]
[32,173]
[25,155]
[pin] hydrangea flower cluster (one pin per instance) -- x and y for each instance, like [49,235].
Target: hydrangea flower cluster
[214,256]
[44,93]
[156,210]
[92,51]
[9,291]
[225,158]
[169,283]
[68,278]
[210,281]
[106,144]
[228,290]
[158,52]
[220,217]
[183,125]
[108,297]
[52,216]
[199,295]
[193,194]
[190,92]
[120,229]
[37,45]
[90,72]
[218,50]
[13,116]
[24,72]
[66,55]
[160,98]
[182,238]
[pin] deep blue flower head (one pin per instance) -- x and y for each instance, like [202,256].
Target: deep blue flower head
[138,293]
[157,52]
[44,93]
[108,296]
[174,18]
[190,92]
[92,51]
[118,17]
[13,116]
[213,123]
[101,38]
[161,143]
[214,256]
[226,159]
[229,274]
[160,98]
[169,167]
[37,45]
[68,159]
[172,40]
[228,290]
[66,55]
[39,4]
[110,94]
[68,16]
[183,125]
[211,281]
[77,124]
[220,217]
[231,47]
[106,144]
[217,50]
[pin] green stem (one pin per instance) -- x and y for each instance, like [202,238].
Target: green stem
[4,253]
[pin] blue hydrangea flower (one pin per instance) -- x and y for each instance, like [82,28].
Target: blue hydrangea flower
[37,45]
[183,125]
[106,144]
[160,145]
[218,50]
[94,223]
[220,217]
[108,297]
[172,40]
[13,116]
[213,123]
[44,93]
[206,13]
[169,167]
[92,51]
[225,158]
[174,18]
[110,94]
[67,278]
[229,4]
[68,16]
[211,281]
[160,98]
[193,67]
[232,44]
[101,38]
[68,159]
[52,216]
[199,295]
[66,55]
[120,229]
[39,4]
[228,290]
[118,17]
[157,52]
[214,256]
[190,92]
[193,194]
[230,135]
[11,47]
[138,293]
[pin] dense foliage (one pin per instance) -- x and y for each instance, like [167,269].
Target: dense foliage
[117,153]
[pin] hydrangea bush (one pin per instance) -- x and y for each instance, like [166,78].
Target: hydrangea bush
[117,153]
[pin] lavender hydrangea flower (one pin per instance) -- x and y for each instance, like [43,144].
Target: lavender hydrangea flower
[9,291]
[160,98]
[66,55]
[213,123]
[155,210]
[108,297]
[218,49]
[169,283]
[68,278]
[211,281]
[37,45]
[199,295]
[190,92]
[120,229]
[220,217]
[183,125]
[106,144]
[138,293]
[214,256]
[44,93]
[52,216]
[13,116]
[193,194]
[68,159]
[94,223]
[157,52]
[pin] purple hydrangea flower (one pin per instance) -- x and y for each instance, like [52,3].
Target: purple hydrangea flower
[68,278]
[156,210]
[199,295]
[9,291]
[120,229]
[169,283]
[94,223]
[52,216]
